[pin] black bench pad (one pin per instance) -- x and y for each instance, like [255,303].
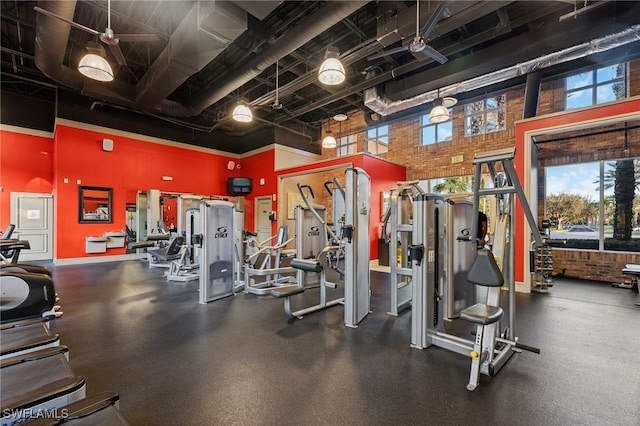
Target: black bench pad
[286,291]
[481,314]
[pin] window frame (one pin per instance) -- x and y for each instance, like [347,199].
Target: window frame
[594,85]
[483,110]
[378,139]
[346,145]
[425,123]
[603,221]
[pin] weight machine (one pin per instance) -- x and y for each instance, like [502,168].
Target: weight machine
[492,272]
[353,241]
[186,267]
[396,230]
[266,262]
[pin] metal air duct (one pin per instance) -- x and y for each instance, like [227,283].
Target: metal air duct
[327,16]
[383,106]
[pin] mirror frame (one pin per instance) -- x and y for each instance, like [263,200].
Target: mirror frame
[81,213]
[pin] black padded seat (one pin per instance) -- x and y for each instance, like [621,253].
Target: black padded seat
[485,270]
[481,314]
[286,291]
[306,265]
[172,252]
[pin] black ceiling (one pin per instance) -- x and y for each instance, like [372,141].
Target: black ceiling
[210,54]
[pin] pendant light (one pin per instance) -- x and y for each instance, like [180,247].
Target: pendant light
[331,71]
[242,113]
[440,111]
[94,65]
[439,114]
[329,141]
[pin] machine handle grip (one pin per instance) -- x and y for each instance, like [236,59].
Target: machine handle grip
[527,348]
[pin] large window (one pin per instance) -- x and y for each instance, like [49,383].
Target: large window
[435,133]
[595,205]
[597,86]
[376,140]
[485,116]
[346,145]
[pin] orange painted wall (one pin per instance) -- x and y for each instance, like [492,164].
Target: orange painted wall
[132,165]
[26,165]
[384,176]
[40,164]
[258,166]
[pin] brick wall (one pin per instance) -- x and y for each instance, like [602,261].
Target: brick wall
[434,161]
[592,265]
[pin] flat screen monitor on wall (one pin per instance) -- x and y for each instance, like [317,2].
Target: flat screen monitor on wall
[239,186]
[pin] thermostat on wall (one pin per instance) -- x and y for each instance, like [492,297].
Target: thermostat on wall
[107,144]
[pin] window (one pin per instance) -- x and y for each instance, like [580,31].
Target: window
[346,145]
[594,213]
[376,140]
[597,86]
[435,133]
[485,116]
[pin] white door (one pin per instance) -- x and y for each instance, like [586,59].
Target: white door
[263,224]
[33,216]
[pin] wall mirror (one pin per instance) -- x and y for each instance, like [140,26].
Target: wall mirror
[94,204]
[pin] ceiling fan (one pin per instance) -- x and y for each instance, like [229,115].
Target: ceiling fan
[108,37]
[418,44]
[276,105]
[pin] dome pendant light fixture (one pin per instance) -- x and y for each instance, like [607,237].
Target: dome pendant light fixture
[242,114]
[329,141]
[439,114]
[331,71]
[94,65]
[440,111]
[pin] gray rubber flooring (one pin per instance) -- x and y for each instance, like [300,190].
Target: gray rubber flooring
[242,361]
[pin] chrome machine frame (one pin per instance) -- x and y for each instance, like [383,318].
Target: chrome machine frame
[217,265]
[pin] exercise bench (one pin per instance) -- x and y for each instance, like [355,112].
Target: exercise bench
[308,265]
[633,271]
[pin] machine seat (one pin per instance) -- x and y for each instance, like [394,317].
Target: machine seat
[482,314]
[286,291]
[172,252]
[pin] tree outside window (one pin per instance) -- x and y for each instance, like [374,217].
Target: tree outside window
[595,214]
[485,116]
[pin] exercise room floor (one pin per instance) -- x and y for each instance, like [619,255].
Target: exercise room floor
[240,360]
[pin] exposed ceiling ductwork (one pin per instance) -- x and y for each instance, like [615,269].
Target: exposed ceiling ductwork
[384,106]
[210,54]
[208,28]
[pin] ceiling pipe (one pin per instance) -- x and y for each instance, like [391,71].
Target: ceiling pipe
[51,44]
[384,106]
[52,37]
[328,15]
[207,29]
